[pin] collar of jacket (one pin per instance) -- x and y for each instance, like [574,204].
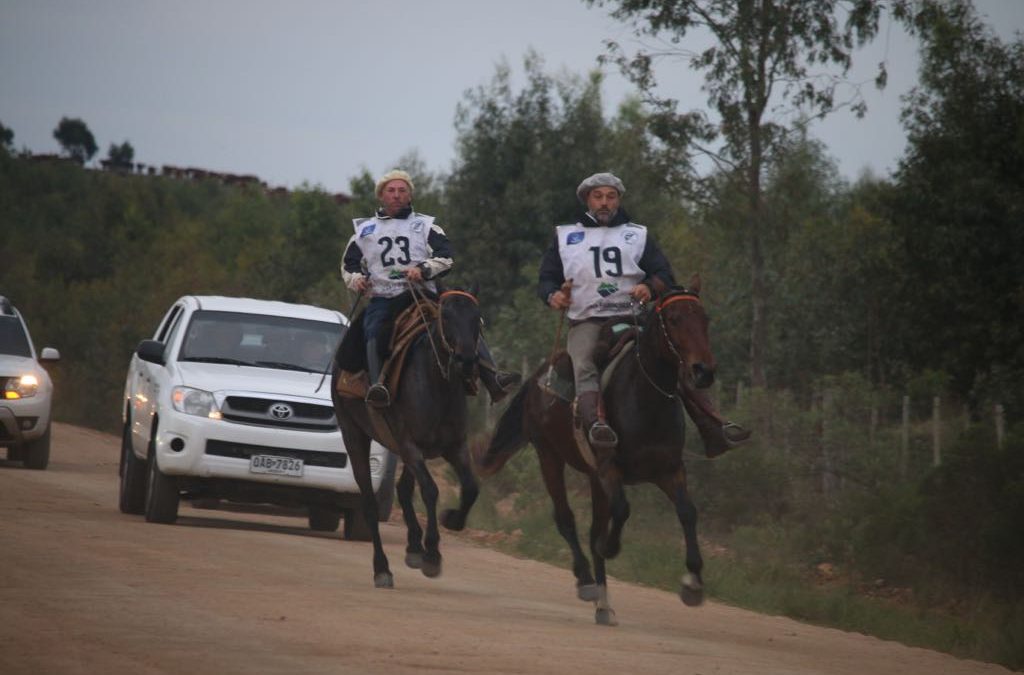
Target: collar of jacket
[401,215]
[620,218]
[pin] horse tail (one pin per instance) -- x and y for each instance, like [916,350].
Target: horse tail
[509,436]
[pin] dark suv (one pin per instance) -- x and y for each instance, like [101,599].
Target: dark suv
[26,392]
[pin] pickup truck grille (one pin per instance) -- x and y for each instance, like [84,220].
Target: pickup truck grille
[337,460]
[270,412]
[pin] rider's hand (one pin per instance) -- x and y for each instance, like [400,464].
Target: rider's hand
[414,274]
[641,293]
[360,284]
[559,300]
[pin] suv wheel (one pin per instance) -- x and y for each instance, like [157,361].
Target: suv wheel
[161,492]
[132,494]
[37,452]
[324,519]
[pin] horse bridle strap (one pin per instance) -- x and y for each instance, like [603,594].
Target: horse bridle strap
[472,297]
[676,297]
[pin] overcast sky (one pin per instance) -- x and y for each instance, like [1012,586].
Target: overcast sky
[316,90]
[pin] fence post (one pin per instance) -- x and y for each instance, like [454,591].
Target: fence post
[936,433]
[739,393]
[828,474]
[1000,425]
[905,439]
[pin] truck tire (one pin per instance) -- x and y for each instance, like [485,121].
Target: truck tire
[132,492]
[162,495]
[37,453]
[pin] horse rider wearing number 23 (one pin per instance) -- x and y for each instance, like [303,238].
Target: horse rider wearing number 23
[395,247]
[599,268]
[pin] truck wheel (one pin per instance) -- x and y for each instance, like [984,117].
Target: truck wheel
[161,492]
[132,493]
[37,452]
[324,519]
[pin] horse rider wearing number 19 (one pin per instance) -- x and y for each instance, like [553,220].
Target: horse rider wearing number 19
[599,268]
[396,247]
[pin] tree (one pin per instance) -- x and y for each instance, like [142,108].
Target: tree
[76,139]
[121,155]
[6,138]
[959,206]
[766,56]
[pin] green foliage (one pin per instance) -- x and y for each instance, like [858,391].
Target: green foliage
[6,138]
[121,155]
[129,246]
[76,139]
[959,207]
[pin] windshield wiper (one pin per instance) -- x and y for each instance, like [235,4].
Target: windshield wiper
[218,359]
[285,366]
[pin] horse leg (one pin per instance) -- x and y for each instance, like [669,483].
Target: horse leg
[414,533]
[610,543]
[604,615]
[357,444]
[553,470]
[455,519]
[691,590]
[429,492]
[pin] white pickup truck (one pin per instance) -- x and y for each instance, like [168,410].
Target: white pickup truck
[229,401]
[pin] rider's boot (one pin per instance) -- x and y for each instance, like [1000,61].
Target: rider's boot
[377,395]
[600,435]
[499,383]
[718,435]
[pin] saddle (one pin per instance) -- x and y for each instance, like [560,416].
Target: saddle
[409,325]
[616,336]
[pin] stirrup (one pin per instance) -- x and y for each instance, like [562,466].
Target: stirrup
[378,396]
[506,383]
[602,436]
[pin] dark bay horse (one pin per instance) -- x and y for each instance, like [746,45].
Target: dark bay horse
[643,408]
[427,419]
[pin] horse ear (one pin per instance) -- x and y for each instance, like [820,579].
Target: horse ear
[694,284]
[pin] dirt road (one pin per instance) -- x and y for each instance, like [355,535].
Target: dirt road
[86,589]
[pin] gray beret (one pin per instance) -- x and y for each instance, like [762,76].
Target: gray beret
[599,180]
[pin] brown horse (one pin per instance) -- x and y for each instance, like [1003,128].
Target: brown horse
[642,406]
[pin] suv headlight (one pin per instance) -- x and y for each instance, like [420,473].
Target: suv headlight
[25,386]
[195,402]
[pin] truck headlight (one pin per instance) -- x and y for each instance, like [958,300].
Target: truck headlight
[25,386]
[195,402]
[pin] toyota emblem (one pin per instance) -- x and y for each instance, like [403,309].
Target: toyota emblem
[281,411]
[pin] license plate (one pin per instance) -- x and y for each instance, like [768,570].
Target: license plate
[283,466]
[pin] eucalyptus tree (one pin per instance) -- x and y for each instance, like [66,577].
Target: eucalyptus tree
[959,205]
[763,61]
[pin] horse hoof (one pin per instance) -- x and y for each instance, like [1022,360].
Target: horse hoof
[384,580]
[692,591]
[414,560]
[587,592]
[453,520]
[431,568]
[605,617]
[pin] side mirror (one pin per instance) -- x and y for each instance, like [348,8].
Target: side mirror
[49,354]
[151,351]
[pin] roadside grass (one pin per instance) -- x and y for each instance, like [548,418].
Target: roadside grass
[764,568]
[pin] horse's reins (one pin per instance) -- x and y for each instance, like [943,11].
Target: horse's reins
[418,297]
[687,295]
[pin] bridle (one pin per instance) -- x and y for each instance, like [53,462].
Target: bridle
[675,296]
[418,298]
